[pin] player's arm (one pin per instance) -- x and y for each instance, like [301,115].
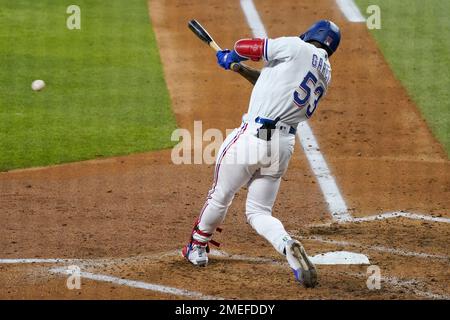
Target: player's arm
[244,49]
[250,48]
[282,49]
[256,49]
[247,72]
[268,49]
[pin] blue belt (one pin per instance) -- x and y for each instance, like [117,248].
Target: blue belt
[270,122]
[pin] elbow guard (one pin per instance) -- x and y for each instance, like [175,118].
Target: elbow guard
[250,48]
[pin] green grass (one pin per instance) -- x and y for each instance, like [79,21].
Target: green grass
[105,92]
[415,39]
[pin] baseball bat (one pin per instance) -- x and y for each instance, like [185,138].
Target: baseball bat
[245,71]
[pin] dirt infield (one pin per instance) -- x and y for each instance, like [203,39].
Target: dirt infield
[126,217]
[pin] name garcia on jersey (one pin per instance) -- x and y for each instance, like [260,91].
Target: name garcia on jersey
[322,67]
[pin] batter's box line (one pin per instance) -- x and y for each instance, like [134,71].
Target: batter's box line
[399,252]
[385,216]
[138,284]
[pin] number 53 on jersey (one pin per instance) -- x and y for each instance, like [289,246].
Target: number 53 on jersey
[302,96]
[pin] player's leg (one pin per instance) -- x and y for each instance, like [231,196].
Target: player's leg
[229,176]
[229,179]
[262,192]
[232,171]
[263,189]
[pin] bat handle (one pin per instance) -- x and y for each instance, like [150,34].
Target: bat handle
[234,66]
[215,46]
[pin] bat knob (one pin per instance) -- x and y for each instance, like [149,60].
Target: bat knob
[235,67]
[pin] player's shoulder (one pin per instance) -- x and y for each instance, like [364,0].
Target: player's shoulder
[289,41]
[287,44]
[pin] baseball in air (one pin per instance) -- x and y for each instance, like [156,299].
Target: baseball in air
[38,85]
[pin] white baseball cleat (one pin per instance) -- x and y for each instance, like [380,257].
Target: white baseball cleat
[196,254]
[304,270]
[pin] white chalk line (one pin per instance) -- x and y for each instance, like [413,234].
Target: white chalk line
[92,262]
[403,159]
[330,190]
[385,216]
[350,10]
[32,260]
[383,249]
[253,19]
[401,214]
[138,284]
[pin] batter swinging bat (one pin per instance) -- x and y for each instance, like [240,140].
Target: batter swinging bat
[245,71]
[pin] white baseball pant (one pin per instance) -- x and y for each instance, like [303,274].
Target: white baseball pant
[246,159]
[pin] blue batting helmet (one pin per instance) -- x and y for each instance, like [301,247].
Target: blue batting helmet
[326,33]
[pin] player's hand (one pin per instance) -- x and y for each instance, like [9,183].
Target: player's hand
[226,57]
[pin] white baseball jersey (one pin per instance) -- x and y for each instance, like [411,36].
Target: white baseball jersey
[290,86]
[295,78]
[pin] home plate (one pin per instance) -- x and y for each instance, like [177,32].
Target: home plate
[340,257]
[327,258]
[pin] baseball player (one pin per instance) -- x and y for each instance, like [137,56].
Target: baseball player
[287,91]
